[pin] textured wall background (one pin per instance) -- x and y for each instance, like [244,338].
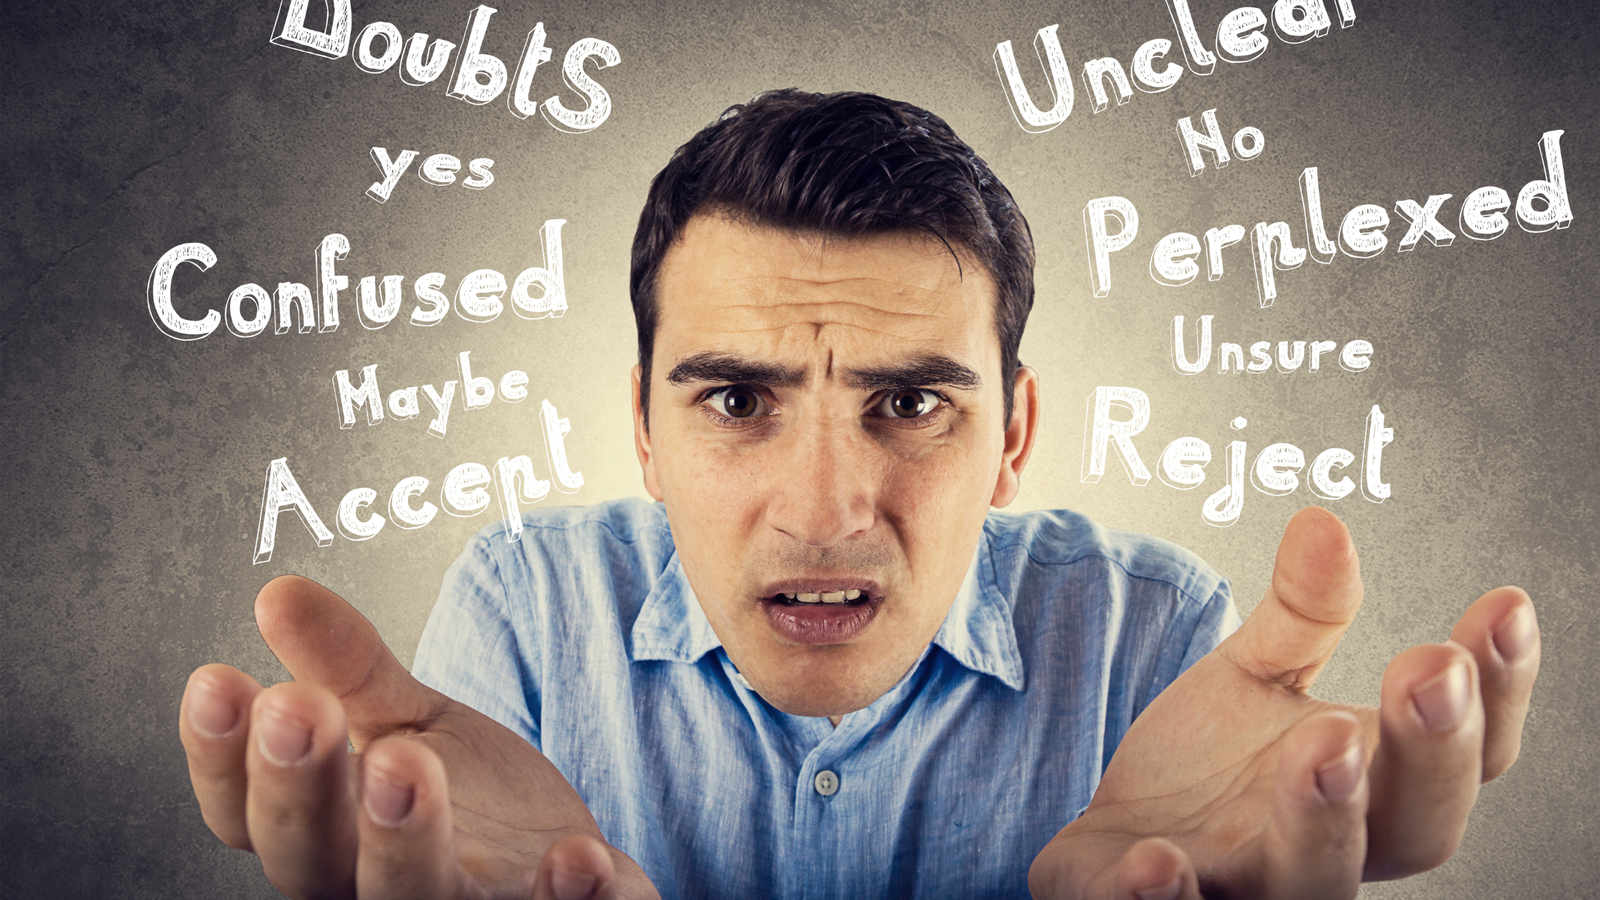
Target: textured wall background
[134,463]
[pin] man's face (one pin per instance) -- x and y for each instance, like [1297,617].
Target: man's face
[827,432]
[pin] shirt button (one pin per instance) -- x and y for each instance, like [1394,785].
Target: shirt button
[826,783]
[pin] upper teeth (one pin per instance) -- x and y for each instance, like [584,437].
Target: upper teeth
[828,597]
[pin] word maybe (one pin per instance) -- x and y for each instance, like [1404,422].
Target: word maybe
[477,393]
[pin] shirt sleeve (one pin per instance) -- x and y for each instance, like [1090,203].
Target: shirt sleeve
[469,649]
[1218,619]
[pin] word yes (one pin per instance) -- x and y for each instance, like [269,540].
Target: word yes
[439,169]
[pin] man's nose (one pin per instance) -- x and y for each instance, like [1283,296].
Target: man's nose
[824,484]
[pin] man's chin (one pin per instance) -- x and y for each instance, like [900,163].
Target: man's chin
[827,680]
[820,701]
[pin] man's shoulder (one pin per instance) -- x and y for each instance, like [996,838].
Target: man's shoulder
[1061,540]
[629,520]
[626,539]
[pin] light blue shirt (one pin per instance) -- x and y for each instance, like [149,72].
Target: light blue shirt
[584,637]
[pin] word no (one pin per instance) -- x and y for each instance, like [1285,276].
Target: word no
[477,77]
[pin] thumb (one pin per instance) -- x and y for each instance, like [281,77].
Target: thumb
[576,868]
[1314,595]
[323,640]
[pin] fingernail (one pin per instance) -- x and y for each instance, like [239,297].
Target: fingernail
[1517,634]
[568,885]
[210,713]
[1168,891]
[284,740]
[1338,778]
[1442,699]
[388,801]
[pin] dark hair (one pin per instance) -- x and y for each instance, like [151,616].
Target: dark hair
[846,164]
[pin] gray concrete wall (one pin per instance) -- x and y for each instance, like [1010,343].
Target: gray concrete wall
[134,463]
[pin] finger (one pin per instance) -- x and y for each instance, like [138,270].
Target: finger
[323,640]
[1502,632]
[576,868]
[214,728]
[1429,760]
[405,827]
[1156,869]
[299,806]
[1314,595]
[1316,846]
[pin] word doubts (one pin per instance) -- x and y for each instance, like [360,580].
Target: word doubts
[1240,37]
[537,292]
[464,493]
[1116,414]
[476,77]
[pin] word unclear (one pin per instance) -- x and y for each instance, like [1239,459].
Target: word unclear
[1240,38]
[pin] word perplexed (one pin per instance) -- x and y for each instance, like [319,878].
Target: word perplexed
[1110,224]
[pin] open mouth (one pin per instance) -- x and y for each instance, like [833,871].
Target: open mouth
[833,597]
[821,614]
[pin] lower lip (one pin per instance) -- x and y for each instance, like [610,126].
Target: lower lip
[820,623]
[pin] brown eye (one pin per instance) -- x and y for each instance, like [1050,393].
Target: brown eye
[908,404]
[737,402]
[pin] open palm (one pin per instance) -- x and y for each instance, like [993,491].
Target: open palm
[1236,783]
[439,800]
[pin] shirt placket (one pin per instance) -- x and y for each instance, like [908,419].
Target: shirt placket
[820,792]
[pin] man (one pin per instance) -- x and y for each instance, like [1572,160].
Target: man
[821,667]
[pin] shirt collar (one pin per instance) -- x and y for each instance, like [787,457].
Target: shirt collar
[671,625]
[978,631]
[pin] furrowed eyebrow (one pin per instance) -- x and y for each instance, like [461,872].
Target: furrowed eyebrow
[725,367]
[927,371]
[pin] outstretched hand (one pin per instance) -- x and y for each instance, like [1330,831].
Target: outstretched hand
[1235,782]
[437,801]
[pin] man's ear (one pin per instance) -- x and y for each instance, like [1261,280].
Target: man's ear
[641,442]
[1024,427]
